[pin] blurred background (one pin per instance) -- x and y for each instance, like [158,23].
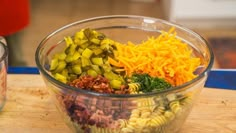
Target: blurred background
[215,20]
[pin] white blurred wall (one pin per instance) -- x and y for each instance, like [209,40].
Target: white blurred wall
[201,13]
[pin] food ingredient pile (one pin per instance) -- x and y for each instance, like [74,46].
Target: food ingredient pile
[93,62]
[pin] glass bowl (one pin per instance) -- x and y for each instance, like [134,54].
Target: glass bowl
[87,111]
[3,71]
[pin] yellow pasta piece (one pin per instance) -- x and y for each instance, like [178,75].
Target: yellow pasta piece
[175,106]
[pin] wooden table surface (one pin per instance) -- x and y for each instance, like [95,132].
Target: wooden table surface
[29,110]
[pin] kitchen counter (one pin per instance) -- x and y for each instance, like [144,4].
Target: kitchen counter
[29,109]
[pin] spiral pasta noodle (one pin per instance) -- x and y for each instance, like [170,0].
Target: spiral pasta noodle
[175,106]
[134,88]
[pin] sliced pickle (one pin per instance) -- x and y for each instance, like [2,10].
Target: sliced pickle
[115,84]
[97,61]
[92,72]
[54,64]
[87,53]
[77,69]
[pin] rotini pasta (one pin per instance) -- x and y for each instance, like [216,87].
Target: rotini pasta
[128,129]
[123,123]
[169,115]
[146,104]
[158,120]
[159,110]
[175,106]
[145,114]
[134,88]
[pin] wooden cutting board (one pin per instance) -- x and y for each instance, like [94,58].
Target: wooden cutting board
[29,110]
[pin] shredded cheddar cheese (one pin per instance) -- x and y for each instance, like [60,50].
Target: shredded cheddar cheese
[165,56]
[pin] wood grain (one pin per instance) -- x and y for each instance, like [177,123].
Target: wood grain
[215,112]
[29,110]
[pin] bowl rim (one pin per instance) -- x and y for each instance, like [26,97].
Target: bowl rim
[65,86]
[5,51]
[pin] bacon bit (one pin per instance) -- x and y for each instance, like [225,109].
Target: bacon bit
[98,84]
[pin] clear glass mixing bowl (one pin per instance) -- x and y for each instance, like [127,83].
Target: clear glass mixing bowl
[86,111]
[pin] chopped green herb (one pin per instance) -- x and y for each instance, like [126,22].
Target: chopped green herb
[150,84]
